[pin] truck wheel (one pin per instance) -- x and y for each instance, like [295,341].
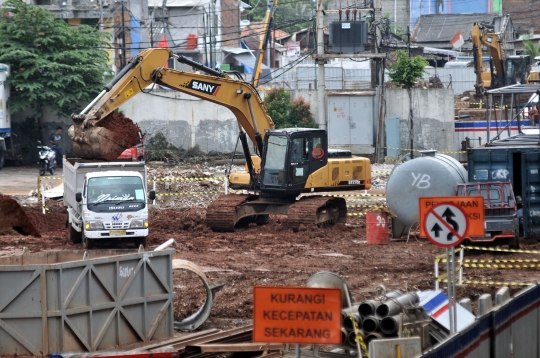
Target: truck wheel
[514,243]
[141,241]
[74,235]
[87,243]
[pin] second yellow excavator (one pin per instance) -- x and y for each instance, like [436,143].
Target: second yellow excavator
[504,70]
[287,163]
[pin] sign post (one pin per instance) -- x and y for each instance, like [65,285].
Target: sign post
[300,315]
[446,225]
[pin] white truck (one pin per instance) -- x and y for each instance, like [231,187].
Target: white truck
[106,200]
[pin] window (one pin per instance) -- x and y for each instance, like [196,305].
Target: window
[299,169]
[275,153]
[274,167]
[299,149]
[117,189]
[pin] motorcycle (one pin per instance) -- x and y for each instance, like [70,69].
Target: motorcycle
[47,159]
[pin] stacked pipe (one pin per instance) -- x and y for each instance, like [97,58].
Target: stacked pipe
[378,318]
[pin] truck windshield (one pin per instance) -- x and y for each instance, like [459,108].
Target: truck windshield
[115,189]
[274,166]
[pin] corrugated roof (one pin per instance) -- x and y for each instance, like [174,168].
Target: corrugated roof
[518,88]
[443,27]
[256,28]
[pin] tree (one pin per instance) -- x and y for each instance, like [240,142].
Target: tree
[287,113]
[406,70]
[531,48]
[53,65]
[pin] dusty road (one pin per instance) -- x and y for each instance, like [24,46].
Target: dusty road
[20,181]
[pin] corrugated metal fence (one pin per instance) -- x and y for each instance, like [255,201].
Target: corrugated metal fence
[509,330]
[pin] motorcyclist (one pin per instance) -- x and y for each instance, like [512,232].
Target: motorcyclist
[56,140]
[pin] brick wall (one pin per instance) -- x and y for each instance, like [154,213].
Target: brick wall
[524,14]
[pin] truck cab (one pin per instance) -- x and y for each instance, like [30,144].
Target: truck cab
[106,201]
[500,211]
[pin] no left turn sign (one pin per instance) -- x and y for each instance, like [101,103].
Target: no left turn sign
[446,225]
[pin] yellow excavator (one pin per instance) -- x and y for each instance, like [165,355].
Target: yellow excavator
[287,162]
[504,70]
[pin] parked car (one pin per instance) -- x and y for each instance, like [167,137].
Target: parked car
[500,211]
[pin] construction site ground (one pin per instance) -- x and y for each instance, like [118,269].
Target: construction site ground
[270,254]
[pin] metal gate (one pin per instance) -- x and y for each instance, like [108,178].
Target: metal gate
[350,123]
[72,301]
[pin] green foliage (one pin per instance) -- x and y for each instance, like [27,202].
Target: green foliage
[287,113]
[407,70]
[52,65]
[158,148]
[532,49]
[159,142]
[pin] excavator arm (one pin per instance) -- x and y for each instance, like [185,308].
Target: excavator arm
[480,36]
[91,141]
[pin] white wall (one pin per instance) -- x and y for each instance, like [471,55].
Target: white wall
[433,117]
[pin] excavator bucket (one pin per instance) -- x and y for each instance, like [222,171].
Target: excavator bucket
[12,216]
[103,139]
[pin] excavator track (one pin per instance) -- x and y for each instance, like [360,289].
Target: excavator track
[221,213]
[316,211]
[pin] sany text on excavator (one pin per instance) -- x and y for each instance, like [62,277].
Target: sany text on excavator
[287,162]
[504,70]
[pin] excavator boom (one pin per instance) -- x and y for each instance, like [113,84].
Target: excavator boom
[93,141]
[480,36]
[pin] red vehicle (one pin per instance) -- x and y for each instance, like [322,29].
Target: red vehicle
[501,211]
[136,153]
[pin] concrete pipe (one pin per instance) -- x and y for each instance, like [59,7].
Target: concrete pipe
[198,318]
[368,307]
[327,279]
[394,305]
[370,324]
[371,336]
[348,323]
[390,324]
[351,339]
[344,337]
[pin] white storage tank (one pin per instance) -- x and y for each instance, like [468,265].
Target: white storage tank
[430,175]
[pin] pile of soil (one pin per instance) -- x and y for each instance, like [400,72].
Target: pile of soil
[121,130]
[12,216]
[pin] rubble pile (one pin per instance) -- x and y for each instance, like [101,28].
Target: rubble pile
[195,187]
[379,175]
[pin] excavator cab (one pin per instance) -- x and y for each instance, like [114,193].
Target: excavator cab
[290,156]
[517,69]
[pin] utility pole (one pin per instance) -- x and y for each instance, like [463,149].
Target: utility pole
[123,58]
[408,41]
[321,83]
[101,15]
[210,28]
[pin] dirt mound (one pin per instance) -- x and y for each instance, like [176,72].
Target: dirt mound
[120,130]
[12,216]
[167,222]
